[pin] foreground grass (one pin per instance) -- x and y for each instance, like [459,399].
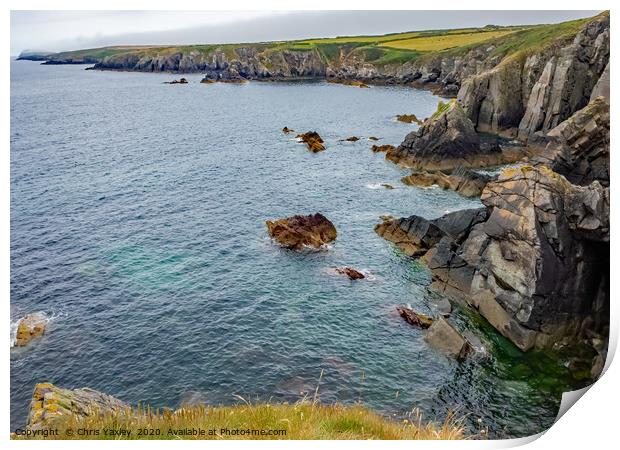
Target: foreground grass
[261,421]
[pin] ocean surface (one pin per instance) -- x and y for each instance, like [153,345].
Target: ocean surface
[138,215]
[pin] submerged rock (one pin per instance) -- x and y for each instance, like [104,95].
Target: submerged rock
[382,148]
[408,118]
[313,141]
[298,232]
[443,337]
[387,186]
[352,139]
[287,130]
[464,181]
[50,403]
[414,318]
[446,140]
[373,138]
[30,327]
[179,81]
[351,273]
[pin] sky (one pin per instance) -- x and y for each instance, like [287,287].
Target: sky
[72,30]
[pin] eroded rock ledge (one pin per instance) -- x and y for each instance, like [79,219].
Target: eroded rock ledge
[447,141]
[533,262]
[50,402]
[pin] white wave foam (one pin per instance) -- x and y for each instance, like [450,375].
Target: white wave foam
[48,319]
[374,186]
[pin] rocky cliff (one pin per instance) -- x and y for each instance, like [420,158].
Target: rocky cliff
[535,261]
[532,92]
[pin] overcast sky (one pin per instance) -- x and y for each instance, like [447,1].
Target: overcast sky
[70,30]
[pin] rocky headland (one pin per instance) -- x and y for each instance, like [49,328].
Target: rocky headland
[534,261]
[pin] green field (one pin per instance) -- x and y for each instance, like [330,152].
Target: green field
[394,48]
[445,41]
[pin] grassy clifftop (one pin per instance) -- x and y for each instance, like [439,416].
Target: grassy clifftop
[247,421]
[378,50]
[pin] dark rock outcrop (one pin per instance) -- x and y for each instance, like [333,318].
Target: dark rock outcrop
[464,181]
[353,274]
[578,148]
[298,232]
[445,141]
[415,235]
[313,141]
[535,263]
[179,81]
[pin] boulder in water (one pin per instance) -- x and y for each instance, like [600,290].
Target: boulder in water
[30,327]
[351,273]
[414,318]
[298,232]
[313,140]
[443,337]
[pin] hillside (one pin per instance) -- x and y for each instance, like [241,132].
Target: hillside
[496,72]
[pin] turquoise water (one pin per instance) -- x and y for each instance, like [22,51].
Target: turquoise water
[138,224]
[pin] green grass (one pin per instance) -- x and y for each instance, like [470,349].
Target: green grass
[395,48]
[304,420]
[448,40]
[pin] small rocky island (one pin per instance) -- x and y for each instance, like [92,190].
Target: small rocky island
[298,232]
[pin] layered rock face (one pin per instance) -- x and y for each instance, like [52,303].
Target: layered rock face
[464,181]
[444,142]
[578,148]
[525,95]
[50,403]
[534,262]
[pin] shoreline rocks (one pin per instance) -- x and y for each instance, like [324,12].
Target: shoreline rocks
[466,182]
[50,403]
[413,318]
[444,338]
[354,83]
[409,118]
[446,141]
[298,232]
[382,148]
[30,327]
[179,81]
